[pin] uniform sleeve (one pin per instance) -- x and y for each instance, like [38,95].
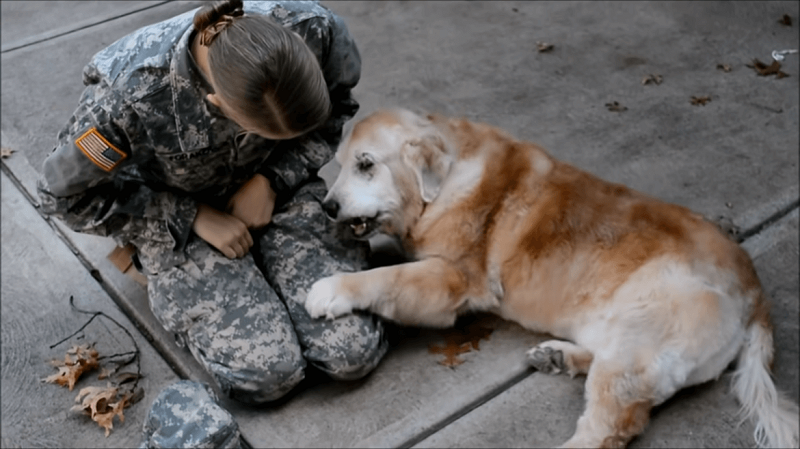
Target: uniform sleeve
[298,159]
[83,182]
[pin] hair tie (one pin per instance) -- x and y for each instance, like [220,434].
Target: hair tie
[209,33]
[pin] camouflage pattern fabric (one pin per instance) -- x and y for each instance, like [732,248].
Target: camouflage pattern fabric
[300,247]
[186,415]
[253,335]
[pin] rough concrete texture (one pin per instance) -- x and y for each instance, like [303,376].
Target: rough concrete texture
[39,275]
[736,158]
[30,26]
[408,395]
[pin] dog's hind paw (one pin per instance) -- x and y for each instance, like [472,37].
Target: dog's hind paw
[325,299]
[546,359]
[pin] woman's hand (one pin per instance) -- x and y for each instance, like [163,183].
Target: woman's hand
[253,202]
[222,231]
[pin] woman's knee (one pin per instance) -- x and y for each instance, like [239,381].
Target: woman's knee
[353,356]
[259,384]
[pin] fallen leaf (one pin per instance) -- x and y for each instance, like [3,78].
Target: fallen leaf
[451,352]
[69,371]
[724,67]
[700,101]
[473,333]
[544,47]
[615,107]
[5,152]
[102,405]
[786,20]
[766,70]
[652,79]
[460,340]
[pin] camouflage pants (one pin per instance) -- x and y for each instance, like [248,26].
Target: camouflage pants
[241,317]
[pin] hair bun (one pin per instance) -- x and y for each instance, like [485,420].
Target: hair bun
[214,17]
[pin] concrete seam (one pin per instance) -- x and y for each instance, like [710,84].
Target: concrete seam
[480,400]
[774,218]
[43,37]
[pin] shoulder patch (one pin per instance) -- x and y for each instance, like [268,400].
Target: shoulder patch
[99,150]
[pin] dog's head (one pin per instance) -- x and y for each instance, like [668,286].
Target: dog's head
[392,164]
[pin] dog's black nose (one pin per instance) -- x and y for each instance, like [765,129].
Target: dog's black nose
[331,208]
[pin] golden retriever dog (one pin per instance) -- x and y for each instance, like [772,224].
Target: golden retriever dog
[644,297]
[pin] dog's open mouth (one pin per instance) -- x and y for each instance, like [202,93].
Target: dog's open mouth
[360,227]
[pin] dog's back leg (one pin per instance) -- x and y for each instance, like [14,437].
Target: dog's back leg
[642,359]
[617,406]
[556,356]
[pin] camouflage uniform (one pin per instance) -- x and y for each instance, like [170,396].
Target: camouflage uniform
[186,414]
[144,147]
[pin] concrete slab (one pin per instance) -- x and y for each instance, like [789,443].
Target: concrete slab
[26,23]
[410,394]
[479,59]
[541,411]
[39,275]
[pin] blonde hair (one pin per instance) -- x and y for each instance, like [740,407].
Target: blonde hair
[264,71]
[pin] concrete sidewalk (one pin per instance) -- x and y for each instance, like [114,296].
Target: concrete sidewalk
[734,159]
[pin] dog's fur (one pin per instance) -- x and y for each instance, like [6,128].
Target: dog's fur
[648,297]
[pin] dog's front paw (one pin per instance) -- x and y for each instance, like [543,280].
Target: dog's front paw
[326,299]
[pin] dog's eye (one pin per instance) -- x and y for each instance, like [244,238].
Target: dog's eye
[364,163]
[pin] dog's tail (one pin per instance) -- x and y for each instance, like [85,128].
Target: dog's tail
[776,417]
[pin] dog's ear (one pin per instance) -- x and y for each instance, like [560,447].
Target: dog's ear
[430,162]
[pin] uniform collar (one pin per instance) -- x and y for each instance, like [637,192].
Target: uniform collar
[192,117]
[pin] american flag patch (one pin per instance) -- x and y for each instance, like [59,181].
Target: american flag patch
[99,150]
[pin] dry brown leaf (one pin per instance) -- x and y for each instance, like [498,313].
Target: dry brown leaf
[544,47]
[69,371]
[786,20]
[652,79]
[700,101]
[615,107]
[765,70]
[724,67]
[459,341]
[102,405]
[451,351]
[5,152]
[473,333]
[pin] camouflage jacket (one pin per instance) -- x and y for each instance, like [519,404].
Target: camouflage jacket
[144,146]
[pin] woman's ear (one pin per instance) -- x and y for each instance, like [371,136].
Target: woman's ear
[430,162]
